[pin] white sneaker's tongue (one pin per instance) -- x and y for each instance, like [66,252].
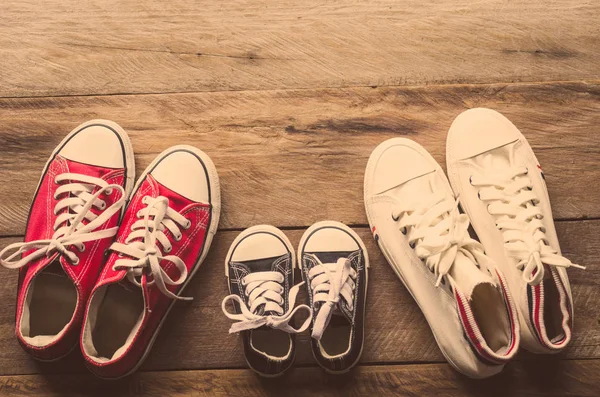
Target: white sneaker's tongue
[467,276]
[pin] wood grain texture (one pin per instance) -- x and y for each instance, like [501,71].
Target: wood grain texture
[293,157]
[107,47]
[550,378]
[195,336]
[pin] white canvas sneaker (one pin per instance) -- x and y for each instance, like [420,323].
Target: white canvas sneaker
[502,188]
[414,217]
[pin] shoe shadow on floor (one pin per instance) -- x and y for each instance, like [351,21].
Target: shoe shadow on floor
[528,374]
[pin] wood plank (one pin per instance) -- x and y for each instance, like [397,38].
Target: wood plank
[107,47]
[550,377]
[272,147]
[196,334]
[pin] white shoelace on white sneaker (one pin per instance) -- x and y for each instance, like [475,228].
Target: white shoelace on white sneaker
[512,203]
[329,282]
[156,218]
[265,289]
[438,232]
[69,227]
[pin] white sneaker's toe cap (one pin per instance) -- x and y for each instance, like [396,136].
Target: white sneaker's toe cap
[183,171]
[96,144]
[395,162]
[258,245]
[477,131]
[330,239]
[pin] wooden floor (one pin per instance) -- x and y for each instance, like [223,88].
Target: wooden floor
[287,96]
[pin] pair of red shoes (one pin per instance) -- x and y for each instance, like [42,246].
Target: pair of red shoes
[103,260]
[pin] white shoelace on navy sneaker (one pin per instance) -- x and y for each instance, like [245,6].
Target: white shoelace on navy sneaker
[513,204]
[264,289]
[438,232]
[329,282]
[155,219]
[69,227]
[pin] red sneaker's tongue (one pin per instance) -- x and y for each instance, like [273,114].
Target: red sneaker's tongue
[176,201]
[467,276]
[86,169]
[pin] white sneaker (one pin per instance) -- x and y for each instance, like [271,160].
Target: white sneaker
[502,188]
[415,219]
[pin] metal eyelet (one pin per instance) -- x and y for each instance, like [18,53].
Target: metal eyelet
[102,206]
[404,231]
[471,180]
[412,244]
[178,237]
[479,195]
[188,224]
[395,219]
[108,191]
[167,250]
[81,250]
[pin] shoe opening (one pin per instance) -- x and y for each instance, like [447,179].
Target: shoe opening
[489,310]
[49,306]
[114,317]
[335,341]
[273,343]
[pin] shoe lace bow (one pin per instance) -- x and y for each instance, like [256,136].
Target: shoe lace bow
[264,292]
[75,224]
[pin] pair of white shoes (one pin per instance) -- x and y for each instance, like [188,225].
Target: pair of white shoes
[479,305]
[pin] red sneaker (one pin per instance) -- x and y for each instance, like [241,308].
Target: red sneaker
[71,224]
[165,234]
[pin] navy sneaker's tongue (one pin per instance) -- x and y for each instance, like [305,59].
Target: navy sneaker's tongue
[265,265]
[341,309]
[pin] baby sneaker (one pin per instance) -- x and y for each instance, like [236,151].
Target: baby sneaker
[165,235]
[415,219]
[334,263]
[502,188]
[71,223]
[260,271]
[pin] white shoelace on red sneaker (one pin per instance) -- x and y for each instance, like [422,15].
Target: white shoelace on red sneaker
[329,282]
[69,228]
[512,203]
[438,232]
[156,218]
[264,289]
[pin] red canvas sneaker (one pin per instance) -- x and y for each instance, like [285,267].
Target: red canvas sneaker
[72,222]
[165,234]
